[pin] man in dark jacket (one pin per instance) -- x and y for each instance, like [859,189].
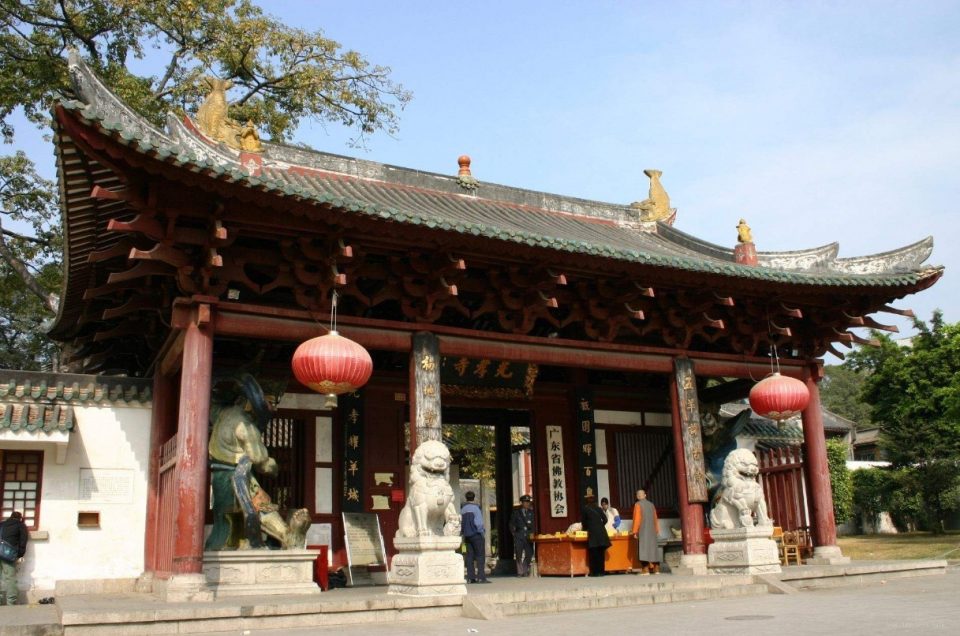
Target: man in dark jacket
[595,523]
[14,533]
[521,527]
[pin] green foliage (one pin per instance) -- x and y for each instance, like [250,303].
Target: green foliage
[30,272]
[474,449]
[840,483]
[841,392]
[872,489]
[914,394]
[281,74]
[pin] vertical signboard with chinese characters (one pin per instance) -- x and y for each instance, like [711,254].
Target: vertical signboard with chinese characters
[690,430]
[351,405]
[586,451]
[558,478]
[426,360]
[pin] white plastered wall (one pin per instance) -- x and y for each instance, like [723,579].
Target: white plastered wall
[109,448]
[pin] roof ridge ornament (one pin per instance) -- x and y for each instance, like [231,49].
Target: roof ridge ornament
[212,119]
[745,253]
[465,178]
[656,207]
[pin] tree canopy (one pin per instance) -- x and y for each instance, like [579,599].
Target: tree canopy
[841,392]
[281,74]
[153,55]
[914,395]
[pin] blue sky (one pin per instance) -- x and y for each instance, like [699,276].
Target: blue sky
[815,121]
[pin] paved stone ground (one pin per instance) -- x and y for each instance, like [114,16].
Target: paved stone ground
[914,606]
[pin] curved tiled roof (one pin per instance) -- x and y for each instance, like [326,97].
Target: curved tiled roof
[498,213]
[43,402]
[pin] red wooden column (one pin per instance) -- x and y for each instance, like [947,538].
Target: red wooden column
[194,422]
[824,528]
[161,426]
[691,514]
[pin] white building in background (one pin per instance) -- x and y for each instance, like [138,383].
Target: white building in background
[74,458]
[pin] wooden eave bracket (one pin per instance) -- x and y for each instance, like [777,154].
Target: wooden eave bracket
[636,314]
[873,324]
[844,337]
[162,253]
[716,324]
[780,331]
[835,351]
[908,313]
[856,321]
[143,224]
[644,291]
[870,342]
[790,311]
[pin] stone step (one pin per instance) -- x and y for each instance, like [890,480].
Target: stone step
[637,597]
[636,585]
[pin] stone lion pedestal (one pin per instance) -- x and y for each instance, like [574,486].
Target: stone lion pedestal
[743,551]
[231,573]
[427,566]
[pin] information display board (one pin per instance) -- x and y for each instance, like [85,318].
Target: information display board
[364,543]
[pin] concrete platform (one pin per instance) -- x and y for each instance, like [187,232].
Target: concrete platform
[133,614]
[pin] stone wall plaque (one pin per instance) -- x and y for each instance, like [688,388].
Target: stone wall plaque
[101,485]
[364,544]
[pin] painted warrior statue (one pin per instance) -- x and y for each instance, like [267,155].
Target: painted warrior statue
[242,510]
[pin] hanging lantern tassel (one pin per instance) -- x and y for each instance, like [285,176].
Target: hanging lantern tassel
[332,365]
[779,397]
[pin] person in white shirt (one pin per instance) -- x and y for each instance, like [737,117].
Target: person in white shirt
[613,515]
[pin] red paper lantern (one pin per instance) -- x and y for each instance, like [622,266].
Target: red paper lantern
[779,397]
[332,364]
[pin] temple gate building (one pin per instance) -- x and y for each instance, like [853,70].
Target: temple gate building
[599,330]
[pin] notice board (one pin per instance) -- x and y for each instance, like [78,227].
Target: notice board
[364,543]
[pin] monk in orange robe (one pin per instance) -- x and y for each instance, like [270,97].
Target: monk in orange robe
[646,527]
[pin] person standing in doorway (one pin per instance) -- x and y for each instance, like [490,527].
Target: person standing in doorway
[521,527]
[594,521]
[14,533]
[473,530]
[646,527]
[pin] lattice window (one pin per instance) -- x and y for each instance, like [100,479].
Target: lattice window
[22,472]
[283,439]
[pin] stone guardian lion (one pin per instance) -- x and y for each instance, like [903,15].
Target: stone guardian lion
[739,503]
[429,509]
